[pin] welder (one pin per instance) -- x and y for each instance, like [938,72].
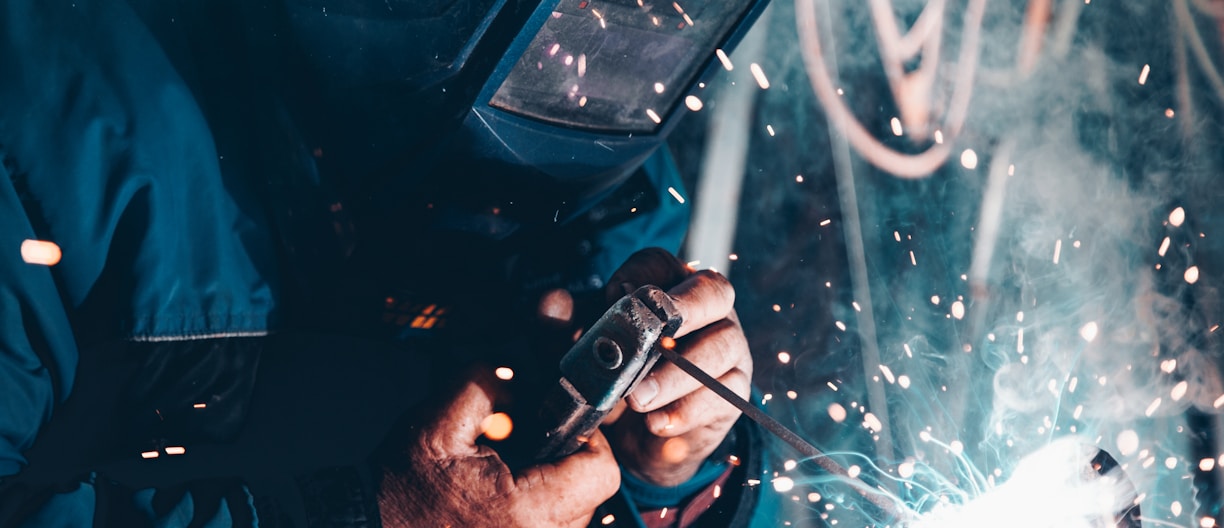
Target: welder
[260,260]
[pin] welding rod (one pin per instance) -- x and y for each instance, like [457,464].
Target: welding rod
[876,497]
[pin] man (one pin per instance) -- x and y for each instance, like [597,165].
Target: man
[235,267]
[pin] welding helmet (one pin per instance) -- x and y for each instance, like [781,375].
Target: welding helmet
[546,106]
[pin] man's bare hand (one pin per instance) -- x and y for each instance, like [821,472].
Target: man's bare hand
[452,481]
[673,422]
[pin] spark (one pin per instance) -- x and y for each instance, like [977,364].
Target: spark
[1089,331]
[40,252]
[1179,390]
[1072,384]
[792,394]
[897,235]
[1151,408]
[504,373]
[938,137]
[1207,522]
[908,351]
[582,65]
[784,357]
[856,306]
[935,300]
[783,484]
[837,412]
[1177,216]
[1143,75]
[1057,249]
[872,422]
[675,194]
[1020,342]
[608,519]
[853,471]
[658,87]
[693,103]
[958,310]
[717,491]
[759,75]
[770,129]
[552,52]
[913,260]
[1176,508]
[149,454]
[1219,402]
[1207,464]
[903,381]
[653,116]
[1164,246]
[722,57]
[175,450]
[1128,442]
[826,222]
[199,405]
[888,374]
[1192,274]
[1079,409]
[777,308]
[733,257]
[969,159]
[1168,366]
[569,60]
[840,325]
[896,127]
[798,178]
[906,469]
[813,497]
[497,426]
[1169,113]
[1171,462]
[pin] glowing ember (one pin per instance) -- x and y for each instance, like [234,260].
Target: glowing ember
[693,103]
[504,373]
[1164,246]
[896,127]
[722,57]
[1128,442]
[40,252]
[969,159]
[872,422]
[1143,75]
[653,116]
[175,450]
[784,357]
[837,412]
[1192,274]
[853,471]
[789,465]
[1179,390]
[958,310]
[1177,217]
[1207,464]
[906,469]
[658,87]
[675,194]
[149,454]
[608,519]
[199,405]
[497,426]
[759,75]
[1089,331]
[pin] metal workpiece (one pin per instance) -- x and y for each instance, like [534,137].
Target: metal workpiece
[604,366]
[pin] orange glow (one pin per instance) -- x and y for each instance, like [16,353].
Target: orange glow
[497,426]
[667,343]
[504,373]
[608,519]
[175,450]
[40,252]
[149,454]
[675,450]
[199,405]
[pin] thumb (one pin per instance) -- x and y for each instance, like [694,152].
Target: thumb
[572,487]
[459,423]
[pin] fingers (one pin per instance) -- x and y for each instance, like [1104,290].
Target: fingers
[703,298]
[701,409]
[716,349]
[458,424]
[649,266]
[571,488]
[556,307]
